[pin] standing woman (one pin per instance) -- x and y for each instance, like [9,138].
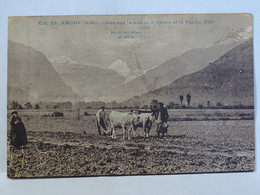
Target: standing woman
[18,133]
[12,123]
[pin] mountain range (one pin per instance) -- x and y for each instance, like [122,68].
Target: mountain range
[31,77]
[228,80]
[91,83]
[236,36]
[136,82]
[191,61]
[30,74]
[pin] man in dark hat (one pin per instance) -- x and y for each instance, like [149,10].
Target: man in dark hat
[101,115]
[162,119]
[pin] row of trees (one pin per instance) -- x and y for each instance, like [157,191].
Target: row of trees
[29,105]
[126,105]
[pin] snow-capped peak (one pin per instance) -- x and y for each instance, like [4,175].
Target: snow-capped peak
[64,60]
[121,67]
[239,35]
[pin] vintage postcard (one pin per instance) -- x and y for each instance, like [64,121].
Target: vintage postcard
[130,95]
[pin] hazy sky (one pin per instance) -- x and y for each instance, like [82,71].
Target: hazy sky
[153,42]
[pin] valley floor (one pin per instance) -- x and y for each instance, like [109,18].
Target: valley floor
[58,148]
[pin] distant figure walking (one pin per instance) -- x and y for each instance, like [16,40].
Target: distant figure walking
[101,116]
[18,134]
[162,118]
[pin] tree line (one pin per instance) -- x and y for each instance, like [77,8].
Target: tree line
[115,105]
[40,105]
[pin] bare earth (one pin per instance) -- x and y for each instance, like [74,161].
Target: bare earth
[59,148]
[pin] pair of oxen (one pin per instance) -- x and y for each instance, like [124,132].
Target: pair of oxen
[130,121]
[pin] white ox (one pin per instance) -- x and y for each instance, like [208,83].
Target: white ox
[145,121]
[121,119]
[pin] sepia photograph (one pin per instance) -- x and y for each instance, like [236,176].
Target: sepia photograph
[122,95]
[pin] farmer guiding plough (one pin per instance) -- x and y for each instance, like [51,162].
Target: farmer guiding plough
[130,121]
